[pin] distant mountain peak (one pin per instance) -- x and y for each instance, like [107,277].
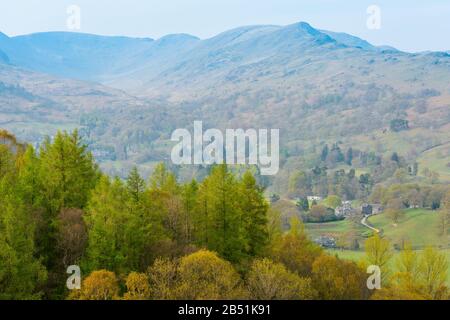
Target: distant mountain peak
[303,30]
[177,38]
[307,27]
[240,34]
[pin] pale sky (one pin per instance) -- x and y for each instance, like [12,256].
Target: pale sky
[410,25]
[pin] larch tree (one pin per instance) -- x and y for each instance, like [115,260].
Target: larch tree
[135,185]
[7,162]
[222,214]
[189,198]
[117,235]
[165,201]
[254,215]
[68,172]
[30,180]
[21,273]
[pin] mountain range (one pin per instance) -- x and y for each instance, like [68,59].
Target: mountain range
[316,86]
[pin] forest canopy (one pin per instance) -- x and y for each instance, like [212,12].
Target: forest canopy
[218,238]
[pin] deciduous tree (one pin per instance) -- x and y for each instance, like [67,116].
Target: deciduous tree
[268,280]
[203,275]
[99,285]
[379,253]
[336,279]
[137,287]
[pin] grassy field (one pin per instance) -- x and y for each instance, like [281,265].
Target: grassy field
[335,229]
[417,226]
[437,160]
[359,255]
[348,254]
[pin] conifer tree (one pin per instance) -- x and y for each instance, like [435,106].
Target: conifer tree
[29,179]
[189,194]
[117,235]
[165,201]
[21,273]
[221,214]
[254,212]
[135,185]
[68,172]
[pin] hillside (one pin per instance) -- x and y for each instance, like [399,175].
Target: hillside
[315,86]
[32,101]
[419,227]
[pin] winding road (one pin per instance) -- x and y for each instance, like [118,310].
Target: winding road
[364,223]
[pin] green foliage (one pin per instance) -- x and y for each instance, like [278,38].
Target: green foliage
[21,273]
[6,161]
[272,281]
[99,285]
[191,238]
[220,214]
[117,232]
[203,275]
[135,185]
[336,279]
[295,250]
[433,272]
[303,204]
[322,182]
[319,213]
[189,198]
[137,287]
[254,209]
[379,253]
[29,179]
[67,172]
[333,201]
[418,276]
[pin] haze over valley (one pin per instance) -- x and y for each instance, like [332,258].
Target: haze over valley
[126,95]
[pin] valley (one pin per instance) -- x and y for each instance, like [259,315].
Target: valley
[315,86]
[364,165]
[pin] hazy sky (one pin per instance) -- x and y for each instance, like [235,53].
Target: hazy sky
[411,25]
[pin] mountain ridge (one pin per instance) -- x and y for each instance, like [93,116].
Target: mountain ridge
[99,58]
[128,95]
